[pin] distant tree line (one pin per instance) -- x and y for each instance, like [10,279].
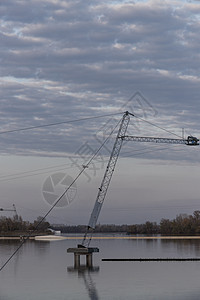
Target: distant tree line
[183,224]
[99,228]
[16,226]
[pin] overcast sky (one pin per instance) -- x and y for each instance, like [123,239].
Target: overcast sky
[69,60]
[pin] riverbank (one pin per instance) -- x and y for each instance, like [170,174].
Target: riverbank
[22,236]
[15,238]
[121,237]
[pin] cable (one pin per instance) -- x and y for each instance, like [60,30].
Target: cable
[36,170]
[27,174]
[21,175]
[57,123]
[61,196]
[31,210]
[85,119]
[146,152]
[157,126]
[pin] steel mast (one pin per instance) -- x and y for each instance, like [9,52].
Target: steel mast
[190,141]
[106,179]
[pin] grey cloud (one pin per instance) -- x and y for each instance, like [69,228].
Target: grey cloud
[68,59]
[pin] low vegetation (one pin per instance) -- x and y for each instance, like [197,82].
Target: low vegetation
[16,226]
[182,225]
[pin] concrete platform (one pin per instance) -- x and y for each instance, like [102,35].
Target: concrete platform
[83,251]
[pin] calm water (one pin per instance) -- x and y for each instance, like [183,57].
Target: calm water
[44,270]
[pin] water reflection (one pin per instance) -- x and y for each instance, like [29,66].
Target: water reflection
[42,247]
[85,273]
[41,271]
[183,246]
[16,247]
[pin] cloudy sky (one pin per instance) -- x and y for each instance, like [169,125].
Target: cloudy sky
[63,61]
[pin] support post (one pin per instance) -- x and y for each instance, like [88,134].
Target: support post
[76,260]
[89,260]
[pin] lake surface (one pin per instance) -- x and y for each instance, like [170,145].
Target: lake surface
[44,270]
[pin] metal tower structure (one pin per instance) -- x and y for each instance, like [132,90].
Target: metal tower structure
[190,141]
[121,136]
[106,179]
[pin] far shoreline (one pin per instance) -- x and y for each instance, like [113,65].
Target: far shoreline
[120,237]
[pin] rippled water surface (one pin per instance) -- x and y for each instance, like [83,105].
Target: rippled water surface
[44,270]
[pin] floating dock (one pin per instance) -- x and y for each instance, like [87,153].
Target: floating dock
[152,259]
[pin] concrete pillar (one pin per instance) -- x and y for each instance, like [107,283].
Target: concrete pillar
[76,260]
[89,260]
